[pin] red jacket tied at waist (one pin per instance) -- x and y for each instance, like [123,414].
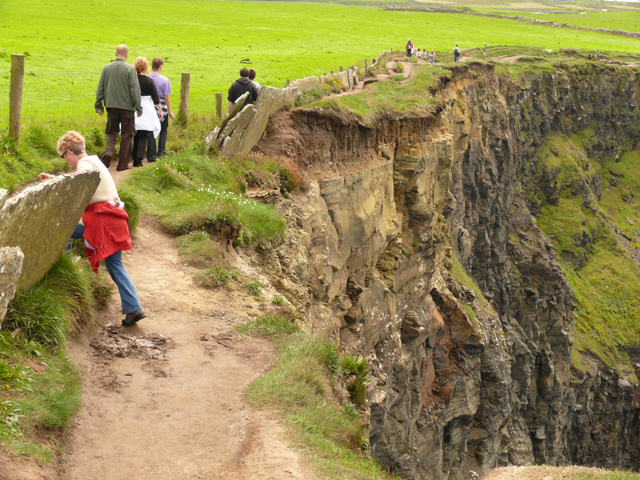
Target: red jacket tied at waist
[107,230]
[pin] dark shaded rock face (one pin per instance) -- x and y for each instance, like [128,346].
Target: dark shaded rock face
[461,381]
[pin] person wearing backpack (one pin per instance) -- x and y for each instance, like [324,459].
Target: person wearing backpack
[456,53]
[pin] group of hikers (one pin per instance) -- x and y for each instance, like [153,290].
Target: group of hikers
[416,52]
[138,109]
[431,56]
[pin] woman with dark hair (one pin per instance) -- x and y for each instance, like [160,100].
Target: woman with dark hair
[150,119]
[103,225]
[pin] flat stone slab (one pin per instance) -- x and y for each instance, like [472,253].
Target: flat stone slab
[40,220]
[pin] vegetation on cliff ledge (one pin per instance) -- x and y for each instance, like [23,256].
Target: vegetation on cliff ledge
[592,227]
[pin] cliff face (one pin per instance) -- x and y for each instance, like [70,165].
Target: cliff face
[400,216]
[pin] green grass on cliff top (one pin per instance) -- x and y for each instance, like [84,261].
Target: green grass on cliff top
[68,42]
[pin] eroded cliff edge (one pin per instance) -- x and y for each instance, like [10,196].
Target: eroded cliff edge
[398,212]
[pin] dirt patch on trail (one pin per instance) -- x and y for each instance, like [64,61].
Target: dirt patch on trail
[163,400]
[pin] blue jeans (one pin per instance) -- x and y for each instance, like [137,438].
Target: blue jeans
[119,275]
[162,137]
[151,148]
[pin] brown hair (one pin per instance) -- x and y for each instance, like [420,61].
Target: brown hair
[73,141]
[156,63]
[252,74]
[141,65]
[244,72]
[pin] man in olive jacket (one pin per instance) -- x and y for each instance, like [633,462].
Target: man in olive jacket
[119,90]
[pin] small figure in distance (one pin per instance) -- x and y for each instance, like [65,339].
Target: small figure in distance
[432,55]
[103,223]
[456,53]
[164,90]
[240,87]
[409,47]
[597,55]
[590,56]
[252,77]
[119,91]
[484,51]
[149,122]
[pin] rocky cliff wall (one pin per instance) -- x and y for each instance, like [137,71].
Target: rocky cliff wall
[398,213]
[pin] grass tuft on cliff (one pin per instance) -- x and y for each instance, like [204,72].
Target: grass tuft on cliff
[39,388]
[191,191]
[301,388]
[393,95]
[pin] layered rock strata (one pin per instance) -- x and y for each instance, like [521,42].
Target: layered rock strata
[399,219]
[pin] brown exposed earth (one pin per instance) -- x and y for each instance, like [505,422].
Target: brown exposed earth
[163,399]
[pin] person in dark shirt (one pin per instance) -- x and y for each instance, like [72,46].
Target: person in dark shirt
[240,87]
[150,119]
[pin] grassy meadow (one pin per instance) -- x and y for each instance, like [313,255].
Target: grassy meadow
[626,21]
[67,42]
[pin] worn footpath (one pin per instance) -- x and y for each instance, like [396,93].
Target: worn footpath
[163,399]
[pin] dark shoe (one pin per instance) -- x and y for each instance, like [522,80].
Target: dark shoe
[151,160]
[122,169]
[132,318]
[106,159]
[137,165]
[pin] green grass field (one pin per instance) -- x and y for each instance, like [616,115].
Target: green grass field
[67,42]
[625,21]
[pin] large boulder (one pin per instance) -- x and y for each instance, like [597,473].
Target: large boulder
[41,218]
[269,101]
[11,260]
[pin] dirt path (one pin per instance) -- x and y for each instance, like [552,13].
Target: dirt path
[163,399]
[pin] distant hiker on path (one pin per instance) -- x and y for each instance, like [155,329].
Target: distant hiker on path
[252,77]
[456,53]
[149,122]
[597,55]
[432,56]
[240,87]
[119,91]
[164,90]
[103,225]
[484,51]
[409,48]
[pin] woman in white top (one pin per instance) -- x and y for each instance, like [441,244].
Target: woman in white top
[150,119]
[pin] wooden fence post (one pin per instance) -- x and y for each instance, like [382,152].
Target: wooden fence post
[183,116]
[219,105]
[15,95]
[341,68]
[288,82]
[366,66]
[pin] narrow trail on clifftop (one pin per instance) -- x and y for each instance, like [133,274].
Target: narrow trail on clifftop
[163,400]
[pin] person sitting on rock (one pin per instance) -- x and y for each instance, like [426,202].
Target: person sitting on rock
[103,225]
